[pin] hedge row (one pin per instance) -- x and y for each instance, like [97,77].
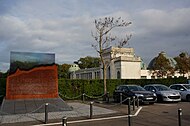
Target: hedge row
[73,88]
[2,88]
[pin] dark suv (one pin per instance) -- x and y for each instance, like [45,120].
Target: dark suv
[134,90]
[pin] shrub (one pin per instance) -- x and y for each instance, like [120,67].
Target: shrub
[76,87]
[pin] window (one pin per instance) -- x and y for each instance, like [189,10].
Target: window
[173,87]
[77,76]
[179,87]
[122,88]
[152,77]
[97,75]
[118,75]
[143,77]
[152,89]
[86,75]
[147,88]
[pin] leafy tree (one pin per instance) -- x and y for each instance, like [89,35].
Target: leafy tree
[89,62]
[26,65]
[1,74]
[63,71]
[4,74]
[183,63]
[104,39]
[162,66]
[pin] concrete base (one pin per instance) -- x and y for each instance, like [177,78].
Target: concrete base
[24,106]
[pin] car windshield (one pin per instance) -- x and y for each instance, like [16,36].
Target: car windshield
[136,88]
[162,88]
[187,86]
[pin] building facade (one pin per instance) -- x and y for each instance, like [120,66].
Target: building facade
[123,64]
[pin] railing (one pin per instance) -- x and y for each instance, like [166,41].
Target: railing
[85,96]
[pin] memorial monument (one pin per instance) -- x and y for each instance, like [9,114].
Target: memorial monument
[32,82]
[32,75]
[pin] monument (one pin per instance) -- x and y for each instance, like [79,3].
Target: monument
[32,82]
[32,75]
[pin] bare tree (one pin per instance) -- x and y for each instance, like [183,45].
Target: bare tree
[105,39]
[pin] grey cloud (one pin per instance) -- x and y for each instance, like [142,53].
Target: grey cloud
[64,27]
[164,22]
[68,37]
[159,30]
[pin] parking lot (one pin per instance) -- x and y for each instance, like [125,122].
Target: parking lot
[159,114]
[162,114]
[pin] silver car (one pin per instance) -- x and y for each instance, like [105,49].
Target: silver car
[184,90]
[164,93]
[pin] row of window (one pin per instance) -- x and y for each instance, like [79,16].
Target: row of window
[88,75]
[153,77]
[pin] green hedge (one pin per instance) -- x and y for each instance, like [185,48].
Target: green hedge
[73,88]
[2,88]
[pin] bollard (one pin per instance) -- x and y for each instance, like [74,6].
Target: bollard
[108,99]
[64,121]
[91,110]
[133,103]
[46,113]
[83,97]
[129,106]
[129,111]
[120,97]
[179,116]
[129,120]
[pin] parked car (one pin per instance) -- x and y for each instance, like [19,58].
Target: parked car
[184,90]
[134,90]
[164,93]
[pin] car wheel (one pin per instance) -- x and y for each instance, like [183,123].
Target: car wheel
[188,98]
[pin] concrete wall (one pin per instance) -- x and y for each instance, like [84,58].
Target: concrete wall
[130,70]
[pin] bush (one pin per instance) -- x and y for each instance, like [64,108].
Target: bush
[2,88]
[74,88]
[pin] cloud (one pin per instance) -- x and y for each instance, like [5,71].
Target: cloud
[165,22]
[64,27]
[4,66]
[162,30]
[64,36]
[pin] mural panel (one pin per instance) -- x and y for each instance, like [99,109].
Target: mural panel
[32,75]
[29,60]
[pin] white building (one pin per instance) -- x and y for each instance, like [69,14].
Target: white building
[123,64]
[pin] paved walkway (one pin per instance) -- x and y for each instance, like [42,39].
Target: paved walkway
[79,109]
[33,105]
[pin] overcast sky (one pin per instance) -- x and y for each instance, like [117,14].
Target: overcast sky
[64,27]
